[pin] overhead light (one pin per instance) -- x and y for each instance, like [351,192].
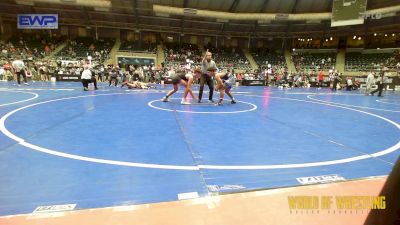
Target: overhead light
[359,38]
[375,34]
[331,38]
[385,35]
[378,48]
[326,39]
[294,49]
[393,35]
[354,37]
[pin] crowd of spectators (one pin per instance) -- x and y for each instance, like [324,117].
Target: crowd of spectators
[83,47]
[229,57]
[29,47]
[313,61]
[181,54]
[266,58]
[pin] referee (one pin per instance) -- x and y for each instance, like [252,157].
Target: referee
[19,68]
[207,63]
[379,82]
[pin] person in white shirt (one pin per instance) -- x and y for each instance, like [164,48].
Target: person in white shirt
[19,68]
[87,78]
[141,73]
[2,71]
[370,81]
[349,83]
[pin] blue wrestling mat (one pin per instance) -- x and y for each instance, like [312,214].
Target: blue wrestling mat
[61,145]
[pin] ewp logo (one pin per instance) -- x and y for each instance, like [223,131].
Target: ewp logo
[37,21]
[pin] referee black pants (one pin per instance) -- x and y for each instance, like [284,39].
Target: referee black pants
[19,74]
[86,82]
[380,89]
[210,83]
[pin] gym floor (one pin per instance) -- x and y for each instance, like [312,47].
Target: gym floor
[115,147]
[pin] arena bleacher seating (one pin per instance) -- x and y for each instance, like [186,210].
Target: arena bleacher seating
[83,47]
[314,61]
[138,46]
[356,61]
[263,57]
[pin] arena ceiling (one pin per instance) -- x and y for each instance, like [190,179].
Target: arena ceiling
[139,15]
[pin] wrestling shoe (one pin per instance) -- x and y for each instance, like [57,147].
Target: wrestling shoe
[183,102]
[165,99]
